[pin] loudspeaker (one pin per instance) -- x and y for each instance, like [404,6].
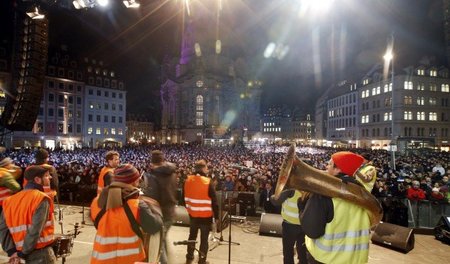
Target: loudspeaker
[28,74]
[442,230]
[394,236]
[270,225]
[181,216]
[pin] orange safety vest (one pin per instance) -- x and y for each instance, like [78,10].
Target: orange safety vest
[101,178]
[19,210]
[196,196]
[115,241]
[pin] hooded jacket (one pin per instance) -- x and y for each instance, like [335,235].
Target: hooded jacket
[161,185]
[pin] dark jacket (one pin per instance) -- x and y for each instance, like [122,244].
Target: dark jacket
[161,185]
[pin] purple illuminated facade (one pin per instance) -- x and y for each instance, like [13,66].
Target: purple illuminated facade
[206,93]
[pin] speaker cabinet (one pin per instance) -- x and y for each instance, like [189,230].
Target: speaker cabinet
[394,236]
[181,216]
[270,225]
[29,63]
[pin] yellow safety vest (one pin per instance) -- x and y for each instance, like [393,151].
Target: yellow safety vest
[289,209]
[367,175]
[346,238]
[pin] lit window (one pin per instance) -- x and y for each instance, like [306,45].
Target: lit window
[420,100]
[199,113]
[408,85]
[378,90]
[113,131]
[433,116]
[407,115]
[407,100]
[120,131]
[421,87]
[97,131]
[386,88]
[433,73]
[445,88]
[90,130]
[433,87]
[420,72]
[432,101]
[420,115]
[374,91]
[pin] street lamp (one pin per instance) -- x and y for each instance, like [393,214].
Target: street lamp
[389,58]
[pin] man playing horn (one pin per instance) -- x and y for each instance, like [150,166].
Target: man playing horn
[337,231]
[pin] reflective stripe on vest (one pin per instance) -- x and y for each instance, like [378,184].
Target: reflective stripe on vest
[19,210]
[115,241]
[196,196]
[346,238]
[289,209]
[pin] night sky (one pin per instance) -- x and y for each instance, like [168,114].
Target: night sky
[342,43]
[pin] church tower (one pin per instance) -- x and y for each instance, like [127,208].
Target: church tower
[207,93]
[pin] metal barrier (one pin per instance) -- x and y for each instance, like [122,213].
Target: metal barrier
[425,213]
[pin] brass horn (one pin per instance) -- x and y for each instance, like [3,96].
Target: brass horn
[296,174]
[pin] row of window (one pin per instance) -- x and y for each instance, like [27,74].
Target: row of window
[408,85]
[60,112]
[105,119]
[343,122]
[62,73]
[272,129]
[106,131]
[60,128]
[407,132]
[62,97]
[63,86]
[376,90]
[98,106]
[408,115]
[106,93]
[347,99]
[105,82]
[343,111]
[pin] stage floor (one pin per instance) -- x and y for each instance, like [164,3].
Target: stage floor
[253,248]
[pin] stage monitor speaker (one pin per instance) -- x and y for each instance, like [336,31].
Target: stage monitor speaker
[270,225]
[181,216]
[442,230]
[394,236]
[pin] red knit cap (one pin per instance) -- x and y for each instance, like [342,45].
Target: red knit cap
[347,161]
[126,173]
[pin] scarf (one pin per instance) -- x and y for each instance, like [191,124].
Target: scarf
[114,195]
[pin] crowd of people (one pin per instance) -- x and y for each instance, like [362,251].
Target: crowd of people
[112,177]
[256,169]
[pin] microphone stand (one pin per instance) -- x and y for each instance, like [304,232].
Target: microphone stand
[221,240]
[60,221]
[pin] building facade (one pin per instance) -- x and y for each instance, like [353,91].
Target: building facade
[105,112]
[415,109]
[140,130]
[207,93]
[83,105]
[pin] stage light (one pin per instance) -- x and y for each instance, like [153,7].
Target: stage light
[131,4]
[35,14]
[103,2]
[79,4]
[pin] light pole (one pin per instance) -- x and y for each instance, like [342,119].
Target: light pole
[389,58]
